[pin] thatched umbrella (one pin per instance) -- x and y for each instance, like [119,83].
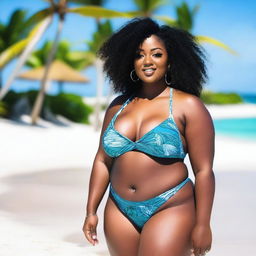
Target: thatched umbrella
[59,71]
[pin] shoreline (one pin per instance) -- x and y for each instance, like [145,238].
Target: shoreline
[243,110]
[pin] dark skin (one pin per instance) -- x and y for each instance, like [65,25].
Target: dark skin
[183,222]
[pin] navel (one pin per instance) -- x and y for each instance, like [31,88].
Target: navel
[133,188]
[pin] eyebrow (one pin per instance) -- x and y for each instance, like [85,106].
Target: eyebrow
[157,48]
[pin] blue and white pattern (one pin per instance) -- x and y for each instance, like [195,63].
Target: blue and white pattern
[140,212]
[162,141]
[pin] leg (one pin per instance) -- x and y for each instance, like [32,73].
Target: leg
[121,236]
[168,232]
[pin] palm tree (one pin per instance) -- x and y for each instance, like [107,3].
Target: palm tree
[185,16]
[78,60]
[104,31]
[24,46]
[99,3]
[60,9]
[15,30]
[146,8]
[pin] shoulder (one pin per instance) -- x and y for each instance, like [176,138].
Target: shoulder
[189,102]
[113,107]
[119,100]
[116,103]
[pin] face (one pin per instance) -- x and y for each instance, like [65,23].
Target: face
[151,60]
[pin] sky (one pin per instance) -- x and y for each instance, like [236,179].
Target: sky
[232,22]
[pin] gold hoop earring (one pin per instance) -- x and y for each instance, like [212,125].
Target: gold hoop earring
[132,78]
[165,76]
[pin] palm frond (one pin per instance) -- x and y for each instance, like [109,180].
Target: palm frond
[97,12]
[213,41]
[11,52]
[88,2]
[168,20]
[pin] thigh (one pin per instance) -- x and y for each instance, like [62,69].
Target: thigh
[121,236]
[168,232]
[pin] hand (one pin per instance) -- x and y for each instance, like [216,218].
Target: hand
[89,229]
[201,240]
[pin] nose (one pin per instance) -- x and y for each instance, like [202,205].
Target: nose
[147,61]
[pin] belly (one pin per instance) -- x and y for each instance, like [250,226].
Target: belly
[137,176]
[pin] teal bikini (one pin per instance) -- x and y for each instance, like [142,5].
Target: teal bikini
[163,141]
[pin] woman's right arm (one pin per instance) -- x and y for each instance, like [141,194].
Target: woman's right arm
[99,178]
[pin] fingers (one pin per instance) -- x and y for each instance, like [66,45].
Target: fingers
[199,251]
[91,236]
[94,237]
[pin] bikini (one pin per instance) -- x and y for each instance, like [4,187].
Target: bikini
[163,141]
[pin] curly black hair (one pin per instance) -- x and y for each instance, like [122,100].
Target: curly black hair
[185,56]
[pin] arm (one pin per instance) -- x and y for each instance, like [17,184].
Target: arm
[199,133]
[99,178]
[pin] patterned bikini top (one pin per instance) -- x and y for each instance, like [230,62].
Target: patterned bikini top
[163,141]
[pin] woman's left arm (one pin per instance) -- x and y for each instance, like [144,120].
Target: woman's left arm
[199,134]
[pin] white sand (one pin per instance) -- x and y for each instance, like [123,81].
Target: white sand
[44,175]
[232,111]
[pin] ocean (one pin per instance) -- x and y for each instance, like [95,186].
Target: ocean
[248,98]
[244,128]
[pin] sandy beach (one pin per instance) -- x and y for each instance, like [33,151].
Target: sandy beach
[44,172]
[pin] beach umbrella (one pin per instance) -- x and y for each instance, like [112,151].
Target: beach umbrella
[59,71]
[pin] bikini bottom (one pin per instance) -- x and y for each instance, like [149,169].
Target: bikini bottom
[139,212]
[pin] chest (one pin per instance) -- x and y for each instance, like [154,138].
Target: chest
[140,118]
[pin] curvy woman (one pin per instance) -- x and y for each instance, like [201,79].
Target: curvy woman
[153,207]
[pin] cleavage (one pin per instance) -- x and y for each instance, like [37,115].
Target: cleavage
[127,128]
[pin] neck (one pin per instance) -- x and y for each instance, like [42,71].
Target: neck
[151,91]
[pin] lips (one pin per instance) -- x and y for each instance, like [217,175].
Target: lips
[149,71]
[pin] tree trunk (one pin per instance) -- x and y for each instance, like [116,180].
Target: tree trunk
[100,81]
[40,97]
[25,55]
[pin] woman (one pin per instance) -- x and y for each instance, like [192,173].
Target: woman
[153,207]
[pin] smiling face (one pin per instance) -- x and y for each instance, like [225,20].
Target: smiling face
[151,60]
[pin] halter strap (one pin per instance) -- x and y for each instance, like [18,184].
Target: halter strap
[171,99]
[122,107]
[130,98]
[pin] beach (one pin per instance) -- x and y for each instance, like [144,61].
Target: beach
[44,174]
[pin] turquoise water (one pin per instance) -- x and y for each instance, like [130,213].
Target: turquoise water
[249,98]
[244,128]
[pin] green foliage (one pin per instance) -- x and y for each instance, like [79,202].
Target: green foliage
[3,109]
[11,97]
[103,32]
[70,106]
[220,98]
[147,7]
[15,35]
[14,30]
[185,16]
[75,59]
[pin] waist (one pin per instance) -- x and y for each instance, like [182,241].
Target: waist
[149,199]
[137,176]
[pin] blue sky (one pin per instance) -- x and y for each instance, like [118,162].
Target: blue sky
[232,22]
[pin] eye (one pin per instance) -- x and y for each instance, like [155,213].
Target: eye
[158,55]
[138,56]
